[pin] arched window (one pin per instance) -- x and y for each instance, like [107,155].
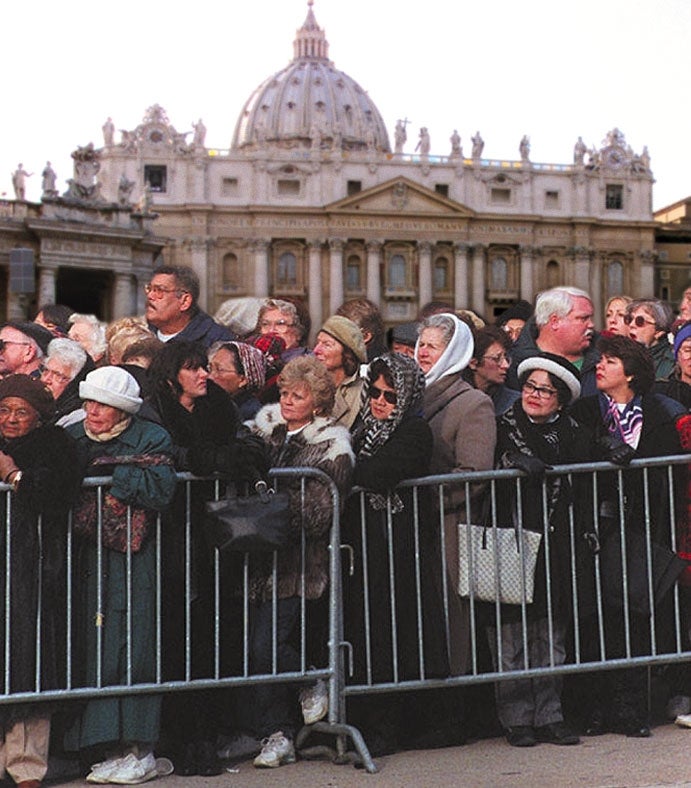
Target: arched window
[441,274]
[287,270]
[553,274]
[499,272]
[354,273]
[615,279]
[231,274]
[397,272]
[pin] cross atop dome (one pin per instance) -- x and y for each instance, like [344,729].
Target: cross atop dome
[310,41]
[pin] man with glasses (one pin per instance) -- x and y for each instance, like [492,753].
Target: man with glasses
[22,347]
[562,325]
[172,310]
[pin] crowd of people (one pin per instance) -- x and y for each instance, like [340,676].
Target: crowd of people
[175,390]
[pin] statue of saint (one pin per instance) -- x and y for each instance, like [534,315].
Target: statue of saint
[108,132]
[423,145]
[400,136]
[199,133]
[524,148]
[579,151]
[369,139]
[456,149]
[48,180]
[478,145]
[19,177]
[125,187]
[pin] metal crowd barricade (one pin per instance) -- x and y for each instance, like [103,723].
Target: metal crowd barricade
[229,605]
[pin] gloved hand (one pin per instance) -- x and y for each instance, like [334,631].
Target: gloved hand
[615,450]
[533,466]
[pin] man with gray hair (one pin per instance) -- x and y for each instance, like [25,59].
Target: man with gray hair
[22,346]
[562,325]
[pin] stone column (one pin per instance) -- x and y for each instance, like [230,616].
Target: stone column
[336,288]
[527,284]
[647,277]
[46,286]
[261,267]
[373,271]
[424,249]
[315,302]
[460,296]
[581,268]
[200,264]
[123,301]
[477,268]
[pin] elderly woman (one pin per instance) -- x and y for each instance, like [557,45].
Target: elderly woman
[90,332]
[464,429]
[65,365]
[615,312]
[39,462]
[297,432]
[240,370]
[678,384]
[648,320]
[393,443]
[283,318]
[341,348]
[488,367]
[533,433]
[115,441]
[628,421]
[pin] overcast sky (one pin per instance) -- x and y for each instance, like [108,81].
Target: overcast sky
[548,69]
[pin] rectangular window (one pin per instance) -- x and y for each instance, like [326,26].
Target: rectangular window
[442,188]
[500,196]
[551,199]
[354,187]
[288,188]
[156,176]
[614,197]
[230,187]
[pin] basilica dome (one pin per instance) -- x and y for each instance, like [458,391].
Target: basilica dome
[310,104]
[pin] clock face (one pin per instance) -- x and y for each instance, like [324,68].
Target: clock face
[156,135]
[614,157]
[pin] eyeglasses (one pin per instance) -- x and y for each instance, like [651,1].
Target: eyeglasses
[277,325]
[375,393]
[498,358]
[639,321]
[5,342]
[158,291]
[46,372]
[541,392]
[215,369]
[21,414]
[685,351]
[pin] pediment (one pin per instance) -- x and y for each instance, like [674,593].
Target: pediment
[400,196]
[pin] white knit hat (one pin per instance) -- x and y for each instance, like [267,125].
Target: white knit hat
[112,386]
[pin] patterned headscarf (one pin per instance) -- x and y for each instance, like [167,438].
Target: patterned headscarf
[254,364]
[409,384]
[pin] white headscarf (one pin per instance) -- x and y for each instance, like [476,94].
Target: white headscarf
[457,353]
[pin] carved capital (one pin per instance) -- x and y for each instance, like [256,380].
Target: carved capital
[374,247]
[315,244]
[461,248]
[336,244]
[424,247]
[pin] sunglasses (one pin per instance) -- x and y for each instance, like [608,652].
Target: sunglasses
[639,321]
[389,396]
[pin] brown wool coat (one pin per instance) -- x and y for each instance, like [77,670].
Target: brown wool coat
[321,445]
[465,433]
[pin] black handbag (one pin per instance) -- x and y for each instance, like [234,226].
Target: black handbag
[666,567]
[249,524]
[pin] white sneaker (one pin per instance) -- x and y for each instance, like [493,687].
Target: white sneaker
[276,751]
[100,772]
[683,720]
[315,702]
[133,770]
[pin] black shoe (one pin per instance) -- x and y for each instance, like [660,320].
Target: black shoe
[596,724]
[208,764]
[521,736]
[187,765]
[637,731]
[556,733]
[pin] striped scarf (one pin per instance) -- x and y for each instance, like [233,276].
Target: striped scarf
[624,423]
